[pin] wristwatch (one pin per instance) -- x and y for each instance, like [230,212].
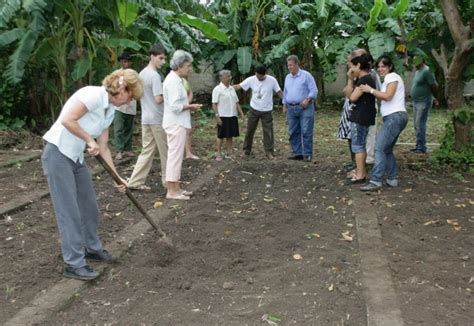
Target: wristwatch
[372,91]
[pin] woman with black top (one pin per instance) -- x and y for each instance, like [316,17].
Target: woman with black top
[362,115]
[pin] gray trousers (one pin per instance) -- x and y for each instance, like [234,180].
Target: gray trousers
[75,205]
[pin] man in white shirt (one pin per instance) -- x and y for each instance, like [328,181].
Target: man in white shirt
[261,107]
[153,135]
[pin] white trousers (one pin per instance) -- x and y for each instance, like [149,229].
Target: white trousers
[176,136]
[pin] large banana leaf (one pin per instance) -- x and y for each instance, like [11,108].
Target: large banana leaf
[246,32]
[374,14]
[244,59]
[123,43]
[322,7]
[209,29]
[282,49]
[223,58]
[128,12]
[400,8]
[11,36]
[8,11]
[81,68]
[380,43]
[19,58]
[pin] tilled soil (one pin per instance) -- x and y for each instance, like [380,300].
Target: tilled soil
[236,244]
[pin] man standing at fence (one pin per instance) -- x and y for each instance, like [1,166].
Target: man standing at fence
[153,134]
[261,106]
[422,89]
[299,95]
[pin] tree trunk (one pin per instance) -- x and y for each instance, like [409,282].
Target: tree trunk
[462,36]
[454,93]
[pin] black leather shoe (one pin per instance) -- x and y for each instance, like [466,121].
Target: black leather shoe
[296,157]
[84,273]
[103,256]
[307,158]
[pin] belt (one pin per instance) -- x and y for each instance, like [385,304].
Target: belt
[294,104]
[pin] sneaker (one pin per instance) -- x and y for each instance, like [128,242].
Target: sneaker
[85,273]
[307,158]
[370,187]
[103,256]
[392,183]
[296,157]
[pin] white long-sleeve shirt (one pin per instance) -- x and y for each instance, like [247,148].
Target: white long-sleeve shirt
[175,98]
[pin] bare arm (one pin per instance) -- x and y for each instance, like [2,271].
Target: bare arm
[239,109]
[280,94]
[356,94]
[159,99]
[237,87]
[384,96]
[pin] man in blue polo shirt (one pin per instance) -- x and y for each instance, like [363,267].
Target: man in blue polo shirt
[299,95]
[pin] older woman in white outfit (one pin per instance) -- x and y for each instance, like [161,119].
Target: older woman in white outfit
[176,119]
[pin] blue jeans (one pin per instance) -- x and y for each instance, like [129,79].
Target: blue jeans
[359,137]
[393,125]
[300,129]
[421,110]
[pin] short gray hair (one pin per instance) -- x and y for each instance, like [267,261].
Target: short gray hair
[293,58]
[180,57]
[223,73]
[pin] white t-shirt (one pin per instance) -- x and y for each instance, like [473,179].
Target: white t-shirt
[175,98]
[398,101]
[98,118]
[262,92]
[152,112]
[226,99]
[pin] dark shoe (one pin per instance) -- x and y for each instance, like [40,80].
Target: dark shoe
[370,187]
[103,256]
[307,158]
[417,151]
[355,181]
[85,273]
[296,157]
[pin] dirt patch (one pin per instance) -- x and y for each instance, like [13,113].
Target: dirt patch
[233,261]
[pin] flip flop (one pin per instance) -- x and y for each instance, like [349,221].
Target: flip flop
[178,197]
[193,157]
[187,193]
[354,181]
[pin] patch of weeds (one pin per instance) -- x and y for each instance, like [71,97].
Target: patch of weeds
[447,154]
[9,292]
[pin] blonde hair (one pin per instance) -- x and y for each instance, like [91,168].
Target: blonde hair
[124,79]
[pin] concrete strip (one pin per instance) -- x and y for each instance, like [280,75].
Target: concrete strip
[25,158]
[60,294]
[381,300]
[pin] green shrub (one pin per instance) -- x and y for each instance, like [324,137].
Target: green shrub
[447,153]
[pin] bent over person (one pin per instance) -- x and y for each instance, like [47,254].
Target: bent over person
[299,95]
[83,125]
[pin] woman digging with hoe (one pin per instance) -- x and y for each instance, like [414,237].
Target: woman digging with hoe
[83,125]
